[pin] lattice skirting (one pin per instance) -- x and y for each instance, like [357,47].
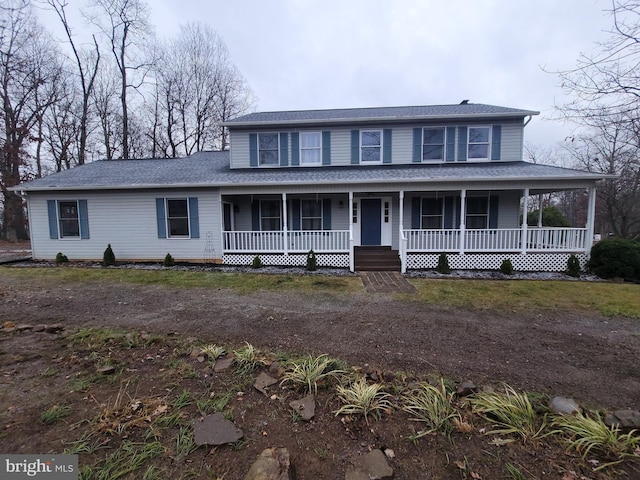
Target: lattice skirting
[337,260]
[531,262]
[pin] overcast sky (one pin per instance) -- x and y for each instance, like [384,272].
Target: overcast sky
[315,54]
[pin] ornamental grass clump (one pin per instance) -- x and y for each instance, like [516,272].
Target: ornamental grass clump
[246,359]
[360,398]
[511,412]
[312,372]
[431,405]
[590,435]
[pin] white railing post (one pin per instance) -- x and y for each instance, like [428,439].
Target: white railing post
[525,207]
[591,218]
[463,213]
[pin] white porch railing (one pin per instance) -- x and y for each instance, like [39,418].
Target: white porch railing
[320,241]
[497,240]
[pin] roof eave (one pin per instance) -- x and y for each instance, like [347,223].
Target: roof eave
[394,119]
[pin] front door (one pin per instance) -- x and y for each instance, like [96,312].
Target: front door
[371,221]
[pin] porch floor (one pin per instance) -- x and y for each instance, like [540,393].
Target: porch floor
[386,282]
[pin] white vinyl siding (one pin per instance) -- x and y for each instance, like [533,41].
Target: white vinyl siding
[127,221]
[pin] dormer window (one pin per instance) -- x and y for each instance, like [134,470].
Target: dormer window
[371,146]
[268,148]
[310,148]
[479,141]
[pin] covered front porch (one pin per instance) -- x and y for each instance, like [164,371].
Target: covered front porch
[479,224]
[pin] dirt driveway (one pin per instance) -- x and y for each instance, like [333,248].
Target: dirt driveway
[588,357]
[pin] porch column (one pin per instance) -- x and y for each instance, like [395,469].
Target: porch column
[463,214]
[525,207]
[285,229]
[350,213]
[539,210]
[402,240]
[591,218]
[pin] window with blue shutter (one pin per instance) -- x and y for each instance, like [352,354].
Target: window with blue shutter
[386,142]
[494,201]
[496,142]
[83,214]
[451,144]
[326,148]
[415,213]
[253,149]
[194,220]
[326,214]
[462,144]
[284,149]
[295,214]
[355,147]
[52,210]
[295,149]
[161,218]
[417,146]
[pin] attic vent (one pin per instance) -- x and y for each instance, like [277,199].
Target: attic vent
[464,102]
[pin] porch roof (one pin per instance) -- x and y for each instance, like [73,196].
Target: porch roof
[374,114]
[211,169]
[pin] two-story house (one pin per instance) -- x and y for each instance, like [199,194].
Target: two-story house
[353,185]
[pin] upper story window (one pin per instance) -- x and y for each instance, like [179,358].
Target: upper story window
[432,213]
[270,217]
[433,144]
[371,146]
[268,148]
[177,217]
[310,148]
[479,141]
[68,219]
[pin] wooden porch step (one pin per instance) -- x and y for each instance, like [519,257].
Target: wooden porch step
[376,259]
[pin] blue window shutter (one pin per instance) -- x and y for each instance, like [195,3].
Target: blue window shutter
[194,220]
[415,213]
[161,218]
[449,214]
[253,149]
[326,214]
[84,219]
[386,140]
[451,144]
[295,148]
[417,145]
[295,214]
[52,209]
[496,141]
[326,148]
[494,200]
[284,149]
[462,144]
[255,216]
[355,147]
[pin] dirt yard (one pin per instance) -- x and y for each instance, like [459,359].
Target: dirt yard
[587,357]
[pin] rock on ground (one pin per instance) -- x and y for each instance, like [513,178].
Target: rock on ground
[272,464]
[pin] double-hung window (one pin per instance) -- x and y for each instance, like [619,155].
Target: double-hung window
[68,219]
[178,217]
[270,216]
[479,143]
[433,144]
[268,148]
[310,148]
[477,213]
[432,213]
[311,213]
[371,146]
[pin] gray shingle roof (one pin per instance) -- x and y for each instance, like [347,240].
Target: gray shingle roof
[387,114]
[211,169]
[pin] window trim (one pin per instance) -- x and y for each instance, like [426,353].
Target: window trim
[167,218]
[277,162]
[380,147]
[488,143]
[444,144]
[321,217]
[303,149]
[61,236]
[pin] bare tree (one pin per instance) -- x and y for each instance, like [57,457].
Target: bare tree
[29,75]
[605,105]
[126,27]
[198,87]
[87,71]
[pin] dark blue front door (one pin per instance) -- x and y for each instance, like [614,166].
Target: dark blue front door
[371,224]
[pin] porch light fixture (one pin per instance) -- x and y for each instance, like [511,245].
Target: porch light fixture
[236,209]
[341,204]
